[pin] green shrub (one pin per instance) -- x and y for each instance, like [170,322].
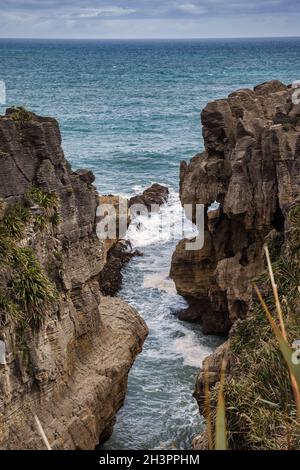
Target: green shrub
[58,255]
[40,223]
[3,154]
[29,292]
[287,126]
[8,310]
[46,200]
[32,290]
[55,219]
[21,115]
[50,205]
[13,224]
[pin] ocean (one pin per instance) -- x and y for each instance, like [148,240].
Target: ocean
[130,111]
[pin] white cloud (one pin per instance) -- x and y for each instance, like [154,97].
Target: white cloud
[191,8]
[105,11]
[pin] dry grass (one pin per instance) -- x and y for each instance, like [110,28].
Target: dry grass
[261,392]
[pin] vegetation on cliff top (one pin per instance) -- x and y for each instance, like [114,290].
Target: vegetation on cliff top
[21,115]
[260,404]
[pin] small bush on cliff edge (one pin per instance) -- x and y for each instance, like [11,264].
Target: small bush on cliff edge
[21,115]
[9,311]
[48,201]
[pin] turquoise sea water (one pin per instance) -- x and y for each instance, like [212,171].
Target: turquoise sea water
[130,112]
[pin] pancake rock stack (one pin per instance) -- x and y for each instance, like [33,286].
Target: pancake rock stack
[251,167]
[68,349]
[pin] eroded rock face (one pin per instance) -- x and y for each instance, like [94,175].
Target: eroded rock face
[156,194]
[111,276]
[251,167]
[119,251]
[72,372]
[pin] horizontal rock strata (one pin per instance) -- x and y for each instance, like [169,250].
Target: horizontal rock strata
[250,166]
[68,348]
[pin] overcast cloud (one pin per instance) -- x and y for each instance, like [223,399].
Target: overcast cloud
[149,18]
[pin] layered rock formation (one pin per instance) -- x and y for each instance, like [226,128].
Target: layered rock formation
[68,349]
[117,250]
[111,276]
[250,166]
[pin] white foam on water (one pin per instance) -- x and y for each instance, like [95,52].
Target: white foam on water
[164,226]
[159,281]
[190,350]
[169,223]
[161,381]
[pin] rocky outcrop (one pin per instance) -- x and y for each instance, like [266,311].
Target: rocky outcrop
[111,276]
[68,348]
[213,365]
[155,195]
[118,216]
[250,166]
[117,250]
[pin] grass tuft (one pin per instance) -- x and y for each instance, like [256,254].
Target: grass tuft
[28,293]
[14,222]
[261,392]
[42,198]
[49,203]
[21,115]
[32,290]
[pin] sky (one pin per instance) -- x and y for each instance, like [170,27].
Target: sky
[149,18]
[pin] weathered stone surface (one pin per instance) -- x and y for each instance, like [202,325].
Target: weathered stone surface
[155,195]
[117,250]
[111,277]
[86,175]
[76,406]
[72,373]
[213,364]
[251,167]
[113,211]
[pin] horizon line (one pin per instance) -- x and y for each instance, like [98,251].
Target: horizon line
[146,38]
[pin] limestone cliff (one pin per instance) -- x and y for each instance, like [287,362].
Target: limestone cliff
[68,348]
[250,166]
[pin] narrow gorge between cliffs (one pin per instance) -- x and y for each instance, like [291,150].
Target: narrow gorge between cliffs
[160,411]
[125,114]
